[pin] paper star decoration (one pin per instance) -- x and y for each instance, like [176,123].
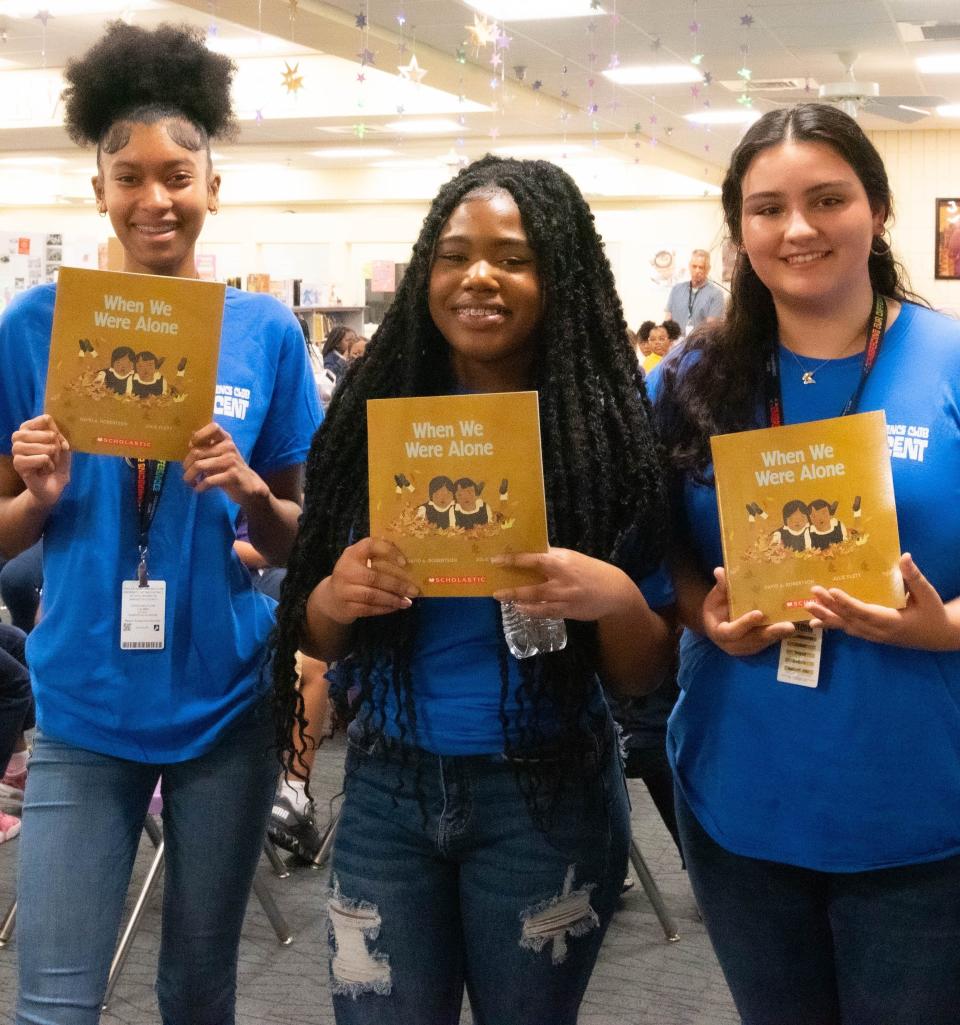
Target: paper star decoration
[461,55]
[503,41]
[258,116]
[401,19]
[694,27]
[43,16]
[746,20]
[696,58]
[366,57]
[360,130]
[537,85]
[592,108]
[495,59]
[482,32]
[412,72]
[361,20]
[708,78]
[401,109]
[361,77]
[292,79]
[744,73]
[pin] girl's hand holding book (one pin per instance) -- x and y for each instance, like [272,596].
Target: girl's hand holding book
[368,579]
[748,634]
[41,457]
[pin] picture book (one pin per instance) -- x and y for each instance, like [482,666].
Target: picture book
[808,504]
[455,480]
[133,361]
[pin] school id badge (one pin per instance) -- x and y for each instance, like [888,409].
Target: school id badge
[142,615]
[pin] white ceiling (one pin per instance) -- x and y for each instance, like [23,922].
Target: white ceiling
[625,125]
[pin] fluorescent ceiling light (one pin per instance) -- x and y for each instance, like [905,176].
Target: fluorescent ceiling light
[535,10]
[253,46]
[410,163]
[423,126]
[345,152]
[723,117]
[939,64]
[949,110]
[546,150]
[654,74]
[71,9]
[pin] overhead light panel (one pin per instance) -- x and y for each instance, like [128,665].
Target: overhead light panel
[939,64]
[949,110]
[423,126]
[71,9]
[654,74]
[535,10]
[740,116]
[542,150]
[346,152]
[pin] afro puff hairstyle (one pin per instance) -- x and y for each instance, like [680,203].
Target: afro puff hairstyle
[136,74]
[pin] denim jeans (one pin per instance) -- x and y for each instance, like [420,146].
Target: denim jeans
[82,824]
[800,947]
[442,879]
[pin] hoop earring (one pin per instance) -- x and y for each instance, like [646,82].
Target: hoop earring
[879,246]
[213,211]
[102,211]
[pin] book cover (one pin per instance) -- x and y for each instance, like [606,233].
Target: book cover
[808,504]
[455,480]
[133,361]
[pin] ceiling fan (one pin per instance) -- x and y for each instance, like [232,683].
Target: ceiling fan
[852,96]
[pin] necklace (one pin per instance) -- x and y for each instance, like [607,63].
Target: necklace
[807,375]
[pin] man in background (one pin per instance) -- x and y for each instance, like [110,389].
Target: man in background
[692,302]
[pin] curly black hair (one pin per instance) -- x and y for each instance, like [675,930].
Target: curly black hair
[134,74]
[716,385]
[602,466]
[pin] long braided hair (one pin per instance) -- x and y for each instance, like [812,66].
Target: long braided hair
[720,389]
[602,466]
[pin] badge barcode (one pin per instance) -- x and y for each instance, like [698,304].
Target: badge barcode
[143,644]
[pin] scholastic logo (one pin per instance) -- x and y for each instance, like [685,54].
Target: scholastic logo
[457,580]
[125,441]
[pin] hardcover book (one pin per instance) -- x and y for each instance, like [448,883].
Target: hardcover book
[808,504]
[133,361]
[455,480]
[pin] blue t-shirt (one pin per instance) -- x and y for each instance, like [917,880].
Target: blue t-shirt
[862,772]
[169,705]
[456,674]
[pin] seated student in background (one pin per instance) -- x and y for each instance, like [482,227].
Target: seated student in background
[643,340]
[335,348]
[292,823]
[821,824]
[659,345]
[483,837]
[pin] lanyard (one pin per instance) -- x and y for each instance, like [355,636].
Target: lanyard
[691,298]
[149,476]
[878,327]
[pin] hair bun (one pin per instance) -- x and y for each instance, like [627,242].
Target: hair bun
[131,67]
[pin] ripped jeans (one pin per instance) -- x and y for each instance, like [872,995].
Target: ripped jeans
[442,880]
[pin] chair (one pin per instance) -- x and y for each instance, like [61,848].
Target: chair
[652,891]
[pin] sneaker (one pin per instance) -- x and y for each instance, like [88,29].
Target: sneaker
[9,826]
[292,830]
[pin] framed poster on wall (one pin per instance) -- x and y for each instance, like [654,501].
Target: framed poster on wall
[948,239]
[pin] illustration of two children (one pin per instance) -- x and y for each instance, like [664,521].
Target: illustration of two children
[454,504]
[810,526]
[135,373]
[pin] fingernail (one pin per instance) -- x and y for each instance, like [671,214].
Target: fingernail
[405,602]
[497,560]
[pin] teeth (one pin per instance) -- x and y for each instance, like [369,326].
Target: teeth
[479,311]
[149,229]
[805,258]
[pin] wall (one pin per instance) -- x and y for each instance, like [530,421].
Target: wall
[331,243]
[922,167]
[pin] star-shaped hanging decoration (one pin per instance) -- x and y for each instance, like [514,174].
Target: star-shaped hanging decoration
[694,27]
[696,58]
[708,78]
[366,57]
[590,83]
[695,91]
[212,30]
[614,61]
[401,109]
[401,19]
[652,119]
[564,93]
[494,82]
[503,41]
[494,133]
[360,20]
[462,118]
[258,115]
[746,20]
[520,70]
[655,44]
[43,16]
[411,72]
[495,59]
[564,114]
[292,79]
[745,100]
[482,32]
[592,108]
[361,77]
[706,147]
[537,85]
[614,20]
[461,55]
[360,130]
[745,73]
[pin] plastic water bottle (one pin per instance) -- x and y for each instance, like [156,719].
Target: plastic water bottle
[527,636]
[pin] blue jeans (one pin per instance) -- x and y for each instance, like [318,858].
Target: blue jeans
[801,947]
[442,879]
[82,824]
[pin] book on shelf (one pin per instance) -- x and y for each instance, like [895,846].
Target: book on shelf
[808,504]
[455,480]
[133,361]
